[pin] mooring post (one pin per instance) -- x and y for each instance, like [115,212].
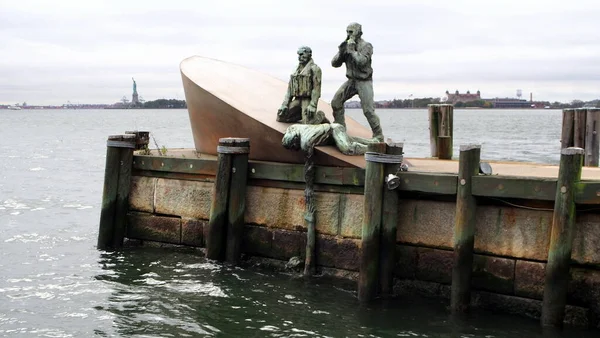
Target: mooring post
[389,220]
[592,145]
[108,214]
[444,139]
[464,228]
[441,125]
[568,125]
[434,125]
[561,238]
[142,138]
[371,228]
[124,185]
[237,198]
[579,127]
[217,224]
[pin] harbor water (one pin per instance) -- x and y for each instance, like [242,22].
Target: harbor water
[54,283]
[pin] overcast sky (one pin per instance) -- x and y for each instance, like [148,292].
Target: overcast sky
[87,51]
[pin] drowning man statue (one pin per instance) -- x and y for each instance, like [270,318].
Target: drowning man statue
[356,53]
[303,93]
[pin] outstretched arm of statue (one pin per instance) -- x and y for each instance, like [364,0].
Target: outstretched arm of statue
[363,55]
[287,98]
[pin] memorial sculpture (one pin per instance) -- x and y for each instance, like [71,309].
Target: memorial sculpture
[356,54]
[303,92]
[306,137]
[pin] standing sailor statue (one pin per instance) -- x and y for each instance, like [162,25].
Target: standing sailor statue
[356,54]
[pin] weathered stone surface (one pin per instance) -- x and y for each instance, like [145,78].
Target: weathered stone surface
[529,279]
[141,194]
[584,290]
[406,261]
[513,232]
[587,239]
[257,241]
[352,207]
[287,244]
[350,276]
[429,223]
[435,265]
[328,213]
[183,198]
[154,228]
[493,274]
[338,253]
[406,287]
[576,316]
[193,232]
[284,209]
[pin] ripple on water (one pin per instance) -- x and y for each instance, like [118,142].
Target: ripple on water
[190,286]
[27,238]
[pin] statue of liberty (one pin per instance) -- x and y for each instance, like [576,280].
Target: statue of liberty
[134,97]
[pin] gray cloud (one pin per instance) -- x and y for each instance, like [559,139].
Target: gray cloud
[79,51]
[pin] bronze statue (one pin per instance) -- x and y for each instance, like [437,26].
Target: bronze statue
[303,93]
[356,53]
[306,137]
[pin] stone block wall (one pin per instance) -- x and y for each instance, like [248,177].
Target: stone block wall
[510,243]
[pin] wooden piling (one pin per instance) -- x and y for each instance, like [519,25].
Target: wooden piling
[434,125]
[237,199]
[108,214]
[579,127]
[124,185]
[217,223]
[441,125]
[568,124]
[142,138]
[464,228]
[444,143]
[371,228]
[592,145]
[561,238]
[389,222]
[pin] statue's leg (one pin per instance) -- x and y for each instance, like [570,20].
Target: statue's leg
[304,102]
[346,91]
[365,92]
[345,143]
[293,114]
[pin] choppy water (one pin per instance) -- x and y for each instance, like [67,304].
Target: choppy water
[54,283]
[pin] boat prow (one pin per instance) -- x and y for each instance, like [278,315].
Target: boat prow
[228,100]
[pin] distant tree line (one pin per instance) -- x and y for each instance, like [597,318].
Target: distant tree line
[165,104]
[407,103]
[575,104]
[423,102]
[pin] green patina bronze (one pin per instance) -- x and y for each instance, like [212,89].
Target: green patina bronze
[134,86]
[306,137]
[303,93]
[356,54]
